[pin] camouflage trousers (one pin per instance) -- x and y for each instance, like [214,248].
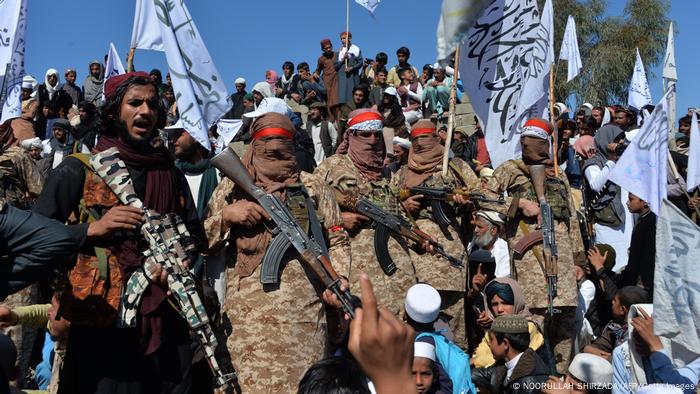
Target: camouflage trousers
[560,331]
[390,290]
[276,333]
[452,310]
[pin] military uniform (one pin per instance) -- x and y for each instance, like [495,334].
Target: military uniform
[435,270]
[277,331]
[513,177]
[340,173]
[20,178]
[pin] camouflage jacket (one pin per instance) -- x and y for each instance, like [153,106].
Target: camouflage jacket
[20,179]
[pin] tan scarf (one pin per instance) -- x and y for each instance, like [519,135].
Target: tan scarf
[424,159]
[272,166]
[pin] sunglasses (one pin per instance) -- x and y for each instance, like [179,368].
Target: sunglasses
[368,133]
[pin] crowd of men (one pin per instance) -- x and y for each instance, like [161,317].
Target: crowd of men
[354,150]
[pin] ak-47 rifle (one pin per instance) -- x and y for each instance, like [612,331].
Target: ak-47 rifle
[551,256]
[311,253]
[384,224]
[439,197]
[169,246]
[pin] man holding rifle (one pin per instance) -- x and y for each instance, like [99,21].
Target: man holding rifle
[273,299]
[359,174]
[544,234]
[424,169]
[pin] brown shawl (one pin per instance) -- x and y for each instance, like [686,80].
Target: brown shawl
[368,157]
[424,159]
[272,165]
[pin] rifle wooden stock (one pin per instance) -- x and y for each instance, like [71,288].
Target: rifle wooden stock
[231,166]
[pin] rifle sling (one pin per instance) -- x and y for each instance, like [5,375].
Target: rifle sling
[535,248]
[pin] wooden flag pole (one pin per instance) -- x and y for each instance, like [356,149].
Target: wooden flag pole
[677,177]
[555,133]
[130,60]
[451,117]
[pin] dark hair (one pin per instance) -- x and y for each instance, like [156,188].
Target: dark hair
[302,66]
[519,342]
[630,295]
[110,110]
[288,64]
[599,108]
[334,375]
[381,70]
[403,70]
[158,75]
[381,58]
[403,51]
[590,123]
[503,290]
[362,88]
[686,119]
[430,70]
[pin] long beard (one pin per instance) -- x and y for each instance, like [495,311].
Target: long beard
[483,240]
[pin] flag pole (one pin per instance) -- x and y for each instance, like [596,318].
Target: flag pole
[451,117]
[555,136]
[677,177]
[347,31]
[130,60]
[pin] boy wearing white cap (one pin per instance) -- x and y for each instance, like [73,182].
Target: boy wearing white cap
[423,369]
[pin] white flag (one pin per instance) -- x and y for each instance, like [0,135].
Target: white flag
[370,5]
[227,130]
[13,26]
[694,155]
[506,50]
[642,169]
[638,94]
[669,72]
[113,66]
[569,50]
[456,18]
[146,33]
[677,278]
[670,76]
[199,90]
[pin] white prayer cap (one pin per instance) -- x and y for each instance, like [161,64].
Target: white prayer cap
[424,349]
[437,65]
[423,303]
[31,143]
[391,91]
[659,388]
[239,81]
[402,142]
[561,107]
[491,216]
[591,369]
[28,82]
[588,105]
[270,104]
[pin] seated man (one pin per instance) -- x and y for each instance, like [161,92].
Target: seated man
[487,226]
[437,91]
[519,369]
[615,333]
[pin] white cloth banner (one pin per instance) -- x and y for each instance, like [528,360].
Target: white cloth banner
[506,50]
[642,169]
[13,26]
[669,76]
[456,18]
[569,50]
[199,90]
[113,66]
[677,278]
[638,94]
[227,129]
[146,33]
[694,155]
[370,5]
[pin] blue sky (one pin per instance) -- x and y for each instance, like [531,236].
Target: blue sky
[247,37]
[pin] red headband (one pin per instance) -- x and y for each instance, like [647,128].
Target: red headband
[539,123]
[424,130]
[363,117]
[273,132]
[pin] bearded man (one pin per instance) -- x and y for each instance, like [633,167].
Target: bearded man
[424,168]
[487,227]
[154,356]
[522,209]
[358,172]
